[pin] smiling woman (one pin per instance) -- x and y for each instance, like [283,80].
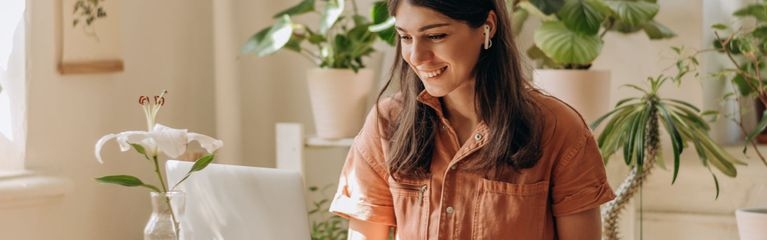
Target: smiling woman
[467,148]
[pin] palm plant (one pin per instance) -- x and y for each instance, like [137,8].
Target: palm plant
[634,125]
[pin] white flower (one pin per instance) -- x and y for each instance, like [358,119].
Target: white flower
[172,142]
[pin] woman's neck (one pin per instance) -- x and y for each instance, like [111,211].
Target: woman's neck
[458,108]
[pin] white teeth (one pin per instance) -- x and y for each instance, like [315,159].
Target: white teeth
[435,73]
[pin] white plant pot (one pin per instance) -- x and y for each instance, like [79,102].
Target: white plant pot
[752,223]
[339,100]
[588,91]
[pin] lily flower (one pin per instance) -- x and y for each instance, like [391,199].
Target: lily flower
[171,141]
[157,138]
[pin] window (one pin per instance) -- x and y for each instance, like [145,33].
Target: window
[12,84]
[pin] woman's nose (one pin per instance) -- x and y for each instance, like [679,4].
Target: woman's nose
[420,53]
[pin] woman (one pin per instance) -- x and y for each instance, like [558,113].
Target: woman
[467,148]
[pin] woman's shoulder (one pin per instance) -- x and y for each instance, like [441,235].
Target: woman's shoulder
[559,118]
[381,115]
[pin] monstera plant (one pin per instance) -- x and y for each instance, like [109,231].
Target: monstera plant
[572,31]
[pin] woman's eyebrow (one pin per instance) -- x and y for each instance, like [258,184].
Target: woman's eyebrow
[427,27]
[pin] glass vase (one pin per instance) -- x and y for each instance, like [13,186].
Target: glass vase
[165,221]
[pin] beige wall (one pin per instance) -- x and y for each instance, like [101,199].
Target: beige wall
[167,45]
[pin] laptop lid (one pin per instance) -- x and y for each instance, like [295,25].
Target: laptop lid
[239,202]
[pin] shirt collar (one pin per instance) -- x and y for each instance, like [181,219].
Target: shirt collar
[431,101]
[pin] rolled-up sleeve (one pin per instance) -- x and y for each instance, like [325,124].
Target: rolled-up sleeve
[363,190]
[580,182]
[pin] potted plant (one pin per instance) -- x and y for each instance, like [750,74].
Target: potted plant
[745,48]
[338,47]
[634,126]
[570,38]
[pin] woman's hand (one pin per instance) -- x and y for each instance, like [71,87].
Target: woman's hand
[362,230]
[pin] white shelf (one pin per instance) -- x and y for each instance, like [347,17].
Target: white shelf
[291,143]
[322,142]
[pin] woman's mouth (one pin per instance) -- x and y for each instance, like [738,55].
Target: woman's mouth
[433,73]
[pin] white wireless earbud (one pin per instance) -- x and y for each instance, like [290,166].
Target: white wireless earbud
[488,42]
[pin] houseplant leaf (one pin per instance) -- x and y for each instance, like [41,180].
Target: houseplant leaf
[304,6]
[383,24]
[633,13]
[758,11]
[565,46]
[535,11]
[333,10]
[548,7]
[655,30]
[269,40]
[583,16]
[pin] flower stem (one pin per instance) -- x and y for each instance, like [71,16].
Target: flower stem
[159,174]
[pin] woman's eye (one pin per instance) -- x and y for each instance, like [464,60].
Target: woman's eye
[437,36]
[405,38]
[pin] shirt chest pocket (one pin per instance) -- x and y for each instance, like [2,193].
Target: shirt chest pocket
[411,207]
[510,211]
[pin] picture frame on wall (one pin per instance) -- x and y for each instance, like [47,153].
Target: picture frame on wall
[90,37]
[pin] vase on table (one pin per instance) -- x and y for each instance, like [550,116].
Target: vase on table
[165,221]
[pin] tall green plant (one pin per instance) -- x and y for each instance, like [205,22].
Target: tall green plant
[634,126]
[341,40]
[572,31]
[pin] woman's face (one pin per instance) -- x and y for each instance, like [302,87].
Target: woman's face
[442,51]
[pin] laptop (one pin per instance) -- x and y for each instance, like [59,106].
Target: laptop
[229,202]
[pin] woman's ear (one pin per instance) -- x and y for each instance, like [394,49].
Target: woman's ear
[491,21]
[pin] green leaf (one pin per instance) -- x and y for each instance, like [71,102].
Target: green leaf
[655,30]
[140,149]
[333,10]
[201,163]
[535,53]
[583,16]
[269,40]
[304,6]
[633,13]
[548,7]
[535,11]
[126,180]
[759,127]
[742,85]
[719,26]
[760,32]
[758,11]
[676,138]
[565,46]
[379,13]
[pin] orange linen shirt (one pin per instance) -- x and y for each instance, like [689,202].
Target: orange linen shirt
[458,204]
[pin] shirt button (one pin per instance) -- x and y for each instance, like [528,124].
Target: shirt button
[478,137]
[449,210]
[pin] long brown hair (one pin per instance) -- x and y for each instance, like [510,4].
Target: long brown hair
[502,100]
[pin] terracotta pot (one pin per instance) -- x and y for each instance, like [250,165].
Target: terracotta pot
[339,100]
[752,223]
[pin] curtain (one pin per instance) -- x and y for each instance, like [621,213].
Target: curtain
[12,84]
